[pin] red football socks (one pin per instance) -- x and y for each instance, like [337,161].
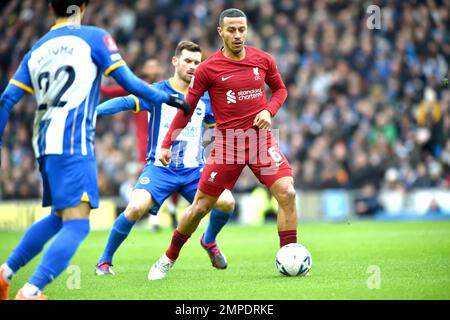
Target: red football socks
[178,240]
[286,237]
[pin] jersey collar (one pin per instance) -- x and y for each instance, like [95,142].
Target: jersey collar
[61,25]
[174,87]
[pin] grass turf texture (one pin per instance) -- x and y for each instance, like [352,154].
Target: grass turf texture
[413,259]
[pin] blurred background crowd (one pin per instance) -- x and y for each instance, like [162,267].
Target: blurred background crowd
[366,109]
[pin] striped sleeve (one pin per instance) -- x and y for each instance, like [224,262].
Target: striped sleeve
[22,78]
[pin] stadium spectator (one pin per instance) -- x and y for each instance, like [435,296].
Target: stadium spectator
[434,208]
[366,201]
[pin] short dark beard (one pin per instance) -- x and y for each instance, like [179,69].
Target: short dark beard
[186,80]
[239,51]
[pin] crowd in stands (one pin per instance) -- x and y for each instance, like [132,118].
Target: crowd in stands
[366,108]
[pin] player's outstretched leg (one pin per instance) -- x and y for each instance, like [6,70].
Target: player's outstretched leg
[172,208]
[119,232]
[284,192]
[56,258]
[140,203]
[30,245]
[188,224]
[220,215]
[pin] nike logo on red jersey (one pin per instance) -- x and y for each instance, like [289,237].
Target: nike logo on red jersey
[280,163]
[226,78]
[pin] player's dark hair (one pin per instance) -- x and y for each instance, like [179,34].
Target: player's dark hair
[60,7]
[231,13]
[187,45]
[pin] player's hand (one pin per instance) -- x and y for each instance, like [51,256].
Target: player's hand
[165,156]
[263,120]
[179,103]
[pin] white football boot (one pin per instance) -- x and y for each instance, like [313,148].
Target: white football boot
[160,269]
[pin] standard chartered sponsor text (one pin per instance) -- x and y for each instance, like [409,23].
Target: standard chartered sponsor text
[250,94]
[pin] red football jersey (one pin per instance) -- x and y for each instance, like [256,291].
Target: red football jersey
[237,88]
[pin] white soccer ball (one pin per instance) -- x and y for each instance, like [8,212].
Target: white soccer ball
[293,260]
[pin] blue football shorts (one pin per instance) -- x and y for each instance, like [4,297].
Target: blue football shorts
[161,182]
[68,181]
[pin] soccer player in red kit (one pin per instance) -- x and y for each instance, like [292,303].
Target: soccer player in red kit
[235,78]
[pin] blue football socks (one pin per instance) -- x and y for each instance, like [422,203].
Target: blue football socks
[216,222]
[34,240]
[119,232]
[58,255]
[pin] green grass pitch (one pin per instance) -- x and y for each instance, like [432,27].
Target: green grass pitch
[413,260]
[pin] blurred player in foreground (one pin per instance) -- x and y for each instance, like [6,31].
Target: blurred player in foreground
[235,78]
[158,182]
[63,70]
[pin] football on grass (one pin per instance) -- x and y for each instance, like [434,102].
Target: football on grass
[293,260]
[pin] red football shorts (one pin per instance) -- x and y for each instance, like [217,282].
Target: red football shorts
[235,149]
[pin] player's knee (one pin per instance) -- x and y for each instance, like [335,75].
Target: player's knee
[226,204]
[202,208]
[133,212]
[286,195]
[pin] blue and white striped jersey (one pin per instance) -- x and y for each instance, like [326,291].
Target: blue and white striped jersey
[63,70]
[187,150]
